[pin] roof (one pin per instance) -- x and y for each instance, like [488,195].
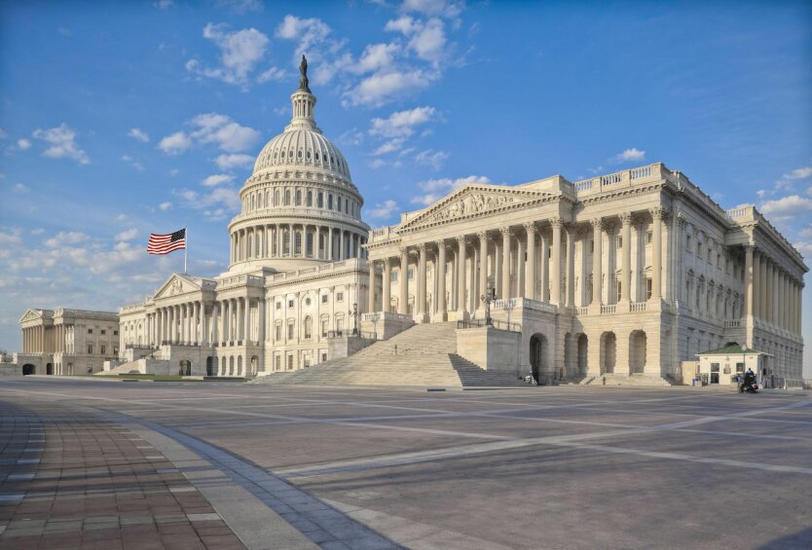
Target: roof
[731,349]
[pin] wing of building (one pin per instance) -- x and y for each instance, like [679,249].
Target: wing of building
[623,275]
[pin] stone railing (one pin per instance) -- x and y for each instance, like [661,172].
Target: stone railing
[630,177]
[526,303]
[742,212]
[735,323]
[382,234]
[638,306]
[608,308]
[582,310]
[385,316]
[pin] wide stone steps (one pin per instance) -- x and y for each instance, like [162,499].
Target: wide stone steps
[635,380]
[425,356]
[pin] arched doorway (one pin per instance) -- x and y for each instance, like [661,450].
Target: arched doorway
[29,369]
[239,365]
[211,368]
[254,364]
[538,355]
[608,352]
[185,368]
[583,350]
[49,368]
[231,366]
[637,352]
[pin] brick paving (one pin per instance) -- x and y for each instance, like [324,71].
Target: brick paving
[73,480]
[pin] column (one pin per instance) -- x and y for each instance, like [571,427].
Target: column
[317,244]
[483,266]
[544,275]
[748,280]
[556,267]
[626,267]
[442,307]
[769,279]
[519,269]
[247,333]
[657,255]
[756,283]
[403,302]
[422,280]
[505,263]
[461,275]
[373,282]
[386,284]
[215,332]
[570,267]
[762,287]
[530,265]
[341,245]
[330,243]
[597,265]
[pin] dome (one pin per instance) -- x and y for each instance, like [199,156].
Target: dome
[302,149]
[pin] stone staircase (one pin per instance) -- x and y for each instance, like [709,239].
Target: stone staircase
[423,355]
[628,380]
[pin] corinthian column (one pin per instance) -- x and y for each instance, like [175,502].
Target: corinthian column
[505,263]
[555,271]
[530,265]
[657,255]
[483,265]
[442,308]
[403,302]
[422,279]
[461,286]
[373,280]
[597,264]
[387,284]
[626,284]
[748,280]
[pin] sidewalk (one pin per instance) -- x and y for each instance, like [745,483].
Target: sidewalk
[71,480]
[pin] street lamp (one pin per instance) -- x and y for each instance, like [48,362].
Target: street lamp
[374,318]
[487,298]
[354,314]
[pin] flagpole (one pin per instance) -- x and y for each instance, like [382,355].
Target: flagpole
[185,248]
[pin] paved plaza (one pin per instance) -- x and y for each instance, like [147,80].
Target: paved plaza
[98,464]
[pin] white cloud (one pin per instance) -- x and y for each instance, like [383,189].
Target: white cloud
[227,162]
[381,88]
[240,51]
[217,179]
[389,146]
[377,163]
[175,144]
[23,144]
[127,235]
[445,8]
[3,134]
[799,173]
[164,4]
[65,238]
[174,172]
[401,123]
[308,32]
[20,188]
[632,154]
[273,73]
[376,57]
[427,39]
[383,211]
[242,6]
[37,231]
[215,128]
[217,205]
[164,206]
[438,188]
[431,158]
[787,207]
[138,134]
[62,140]
[134,163]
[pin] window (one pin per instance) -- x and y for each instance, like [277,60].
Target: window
[278,335]
[591,248]
[324,298]
[339,296]
[277,361]
[620,242]
[297,245]
[324,324]
[287,197]
[307,301]
[90,349]
[340,324]
[309,197]
[410,273]
[278,305]
[308,328]
[619,293]
[309,246]
[290,303]
[115,333]
[103,349]
[298,197]
[320,200]
[291,326]
[393,276]
[329,202]
[649,288]
[90,331]
[718,261]
[290,361]
[688,244]
[323,356]
[103,332]
[699,250]
[649,237]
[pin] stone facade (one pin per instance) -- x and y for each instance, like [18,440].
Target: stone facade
[624,274]
[67,341]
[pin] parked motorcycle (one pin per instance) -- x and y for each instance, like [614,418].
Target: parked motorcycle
[748,386]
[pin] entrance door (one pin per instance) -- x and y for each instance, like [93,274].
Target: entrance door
[714,373]
[28,369]
[538,352]
[49,368]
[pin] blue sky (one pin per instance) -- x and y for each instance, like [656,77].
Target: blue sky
[118,119]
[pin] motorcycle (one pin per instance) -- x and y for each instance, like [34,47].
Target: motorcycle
[748,386]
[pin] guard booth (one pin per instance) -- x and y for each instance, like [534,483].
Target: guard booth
[719,366]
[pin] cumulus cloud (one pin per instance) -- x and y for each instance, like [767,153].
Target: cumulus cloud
[308,32]
[401,123]
[217,179]
[23,144]
[208,128]
[787,207]
[65,238]
[127,235]
[381,88]
[134,163]
[437,188]
[445,8]
[627,155]
[217,205]
[164,4]
[384,210]
[432,158]
[242,6]
[139,134]
[227,162]
[273,73]
[62,140]
[427,39]
[240,51]
[164,206]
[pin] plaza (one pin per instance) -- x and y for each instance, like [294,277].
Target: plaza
[552,467]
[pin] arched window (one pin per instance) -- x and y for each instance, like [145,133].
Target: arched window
[309,197]
[287,197]
[308,327]
[338,203]
[276,198]
[286,242]
[330,201]
[298,242]
[320,200]
[309,246]
[298,197]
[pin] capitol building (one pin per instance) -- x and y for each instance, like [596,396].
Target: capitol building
[624,275]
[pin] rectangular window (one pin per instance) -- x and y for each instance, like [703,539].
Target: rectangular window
[620,242]
[290,331]
[103,349]
[339,296]
[90,331]
[278,305]
[393,276]
[323,298]
[278,332]
[277,361]
[103,332]
[324,325]
[649,237]
[411,274]
[688,244]
[591,248]
[323,356]
[290,303]
[619,293]
[339,325]
[714,373]
[115,333]
[90,349]
[290,361]
[699,250]
[649,288]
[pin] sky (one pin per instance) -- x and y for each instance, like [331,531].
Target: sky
[118,119]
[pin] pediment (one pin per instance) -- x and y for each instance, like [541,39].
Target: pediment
[473,201]
[31,315]
[177,284]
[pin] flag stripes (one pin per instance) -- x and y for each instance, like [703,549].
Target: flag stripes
[164,244]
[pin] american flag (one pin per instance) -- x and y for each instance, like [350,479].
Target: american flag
[164,244]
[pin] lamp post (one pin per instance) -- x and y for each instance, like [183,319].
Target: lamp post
[354,314]
[374,318]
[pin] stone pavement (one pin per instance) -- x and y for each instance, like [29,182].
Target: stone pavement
[512,468]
